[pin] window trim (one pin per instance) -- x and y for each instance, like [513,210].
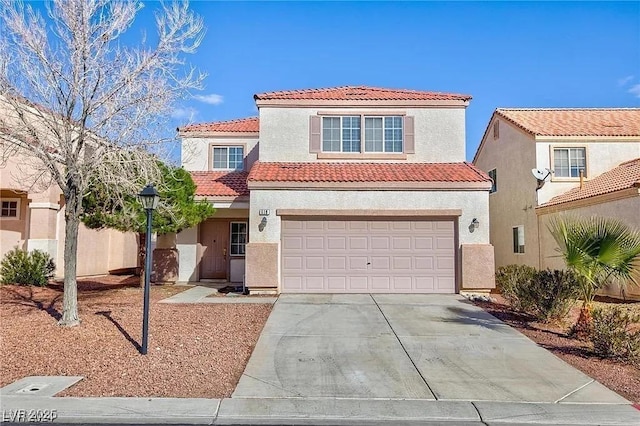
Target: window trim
[363,153]
[228,145]
[552,152]
[18,210]
[494,180]
[246,237]
[517,232]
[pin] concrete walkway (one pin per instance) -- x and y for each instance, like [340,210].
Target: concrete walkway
[430,347]
[202,294]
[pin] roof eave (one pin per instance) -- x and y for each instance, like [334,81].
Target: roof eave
[357,103]
[371,186]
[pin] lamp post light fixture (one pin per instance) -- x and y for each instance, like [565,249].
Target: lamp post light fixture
[149,199]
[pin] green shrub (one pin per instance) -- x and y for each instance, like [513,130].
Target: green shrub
[551,294]
[547,295]
[612,335]
[26,268]
[510,280]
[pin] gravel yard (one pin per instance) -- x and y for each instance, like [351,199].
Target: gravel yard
[196,351]
[618,376]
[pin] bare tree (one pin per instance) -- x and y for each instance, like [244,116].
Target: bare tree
[79,104]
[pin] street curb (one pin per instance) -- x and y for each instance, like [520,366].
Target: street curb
[307,411]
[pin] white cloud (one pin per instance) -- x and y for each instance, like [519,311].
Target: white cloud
[624,80]
[212,99]
[188,114]
[635,90]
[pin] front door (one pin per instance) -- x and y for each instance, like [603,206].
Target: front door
[214,239]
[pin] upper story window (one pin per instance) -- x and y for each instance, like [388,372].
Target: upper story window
[228,158]
[382,134]
[10,209]
[496,129]
[567,162]
[493,174]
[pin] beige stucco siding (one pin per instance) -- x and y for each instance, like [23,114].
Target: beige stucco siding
[513,155]
[472,203]
[439,133]
[602,156]
[626,210]
[196,152]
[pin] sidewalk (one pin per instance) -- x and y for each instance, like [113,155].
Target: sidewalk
[308,411]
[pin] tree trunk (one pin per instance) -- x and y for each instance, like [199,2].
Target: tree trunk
[583,326]
[73,204]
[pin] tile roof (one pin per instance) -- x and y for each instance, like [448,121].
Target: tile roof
[624,176]
[360,93]
[575,122]
[366,172]
[241,125]
[226,184]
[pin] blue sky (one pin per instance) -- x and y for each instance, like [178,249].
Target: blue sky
[504,54]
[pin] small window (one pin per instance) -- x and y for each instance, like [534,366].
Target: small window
[238,238]
[567,162]
[228,158]
[496,130]
[518,239]
[493,174]
[341,134]
[383,134]
[10,209]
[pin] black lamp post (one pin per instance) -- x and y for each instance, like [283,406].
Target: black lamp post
[149,198]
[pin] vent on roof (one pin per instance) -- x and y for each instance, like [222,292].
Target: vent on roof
[611,125]
[356,93]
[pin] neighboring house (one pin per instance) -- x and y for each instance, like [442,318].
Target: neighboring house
[342,190]
[32,217]
[573,147]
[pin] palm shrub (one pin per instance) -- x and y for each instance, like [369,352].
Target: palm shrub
[26,268]
[596,249]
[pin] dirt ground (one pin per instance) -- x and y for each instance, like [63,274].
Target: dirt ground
[196,351]
[614,374]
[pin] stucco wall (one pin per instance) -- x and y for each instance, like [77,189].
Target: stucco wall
[626,210]
[601,157]
[98,250]
[513,155]
[196,152]
[474,204]
[439,133]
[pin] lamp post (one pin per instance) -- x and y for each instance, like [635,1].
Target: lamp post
[149,199]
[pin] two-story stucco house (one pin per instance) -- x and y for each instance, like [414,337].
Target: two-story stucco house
[341,190]
[579,154]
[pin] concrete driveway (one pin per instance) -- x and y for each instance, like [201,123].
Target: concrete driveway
[437,347]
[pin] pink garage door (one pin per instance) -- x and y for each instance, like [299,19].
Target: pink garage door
[334,256]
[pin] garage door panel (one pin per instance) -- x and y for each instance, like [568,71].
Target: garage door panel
[314,243]
[313,262]
[337,263]
[336,243]
[401,243]
[358,243]
[380,243]
[324,256]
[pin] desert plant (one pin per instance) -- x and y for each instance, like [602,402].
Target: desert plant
[612,333]
[26,268]
[550,294]
[597,249]
[510,281]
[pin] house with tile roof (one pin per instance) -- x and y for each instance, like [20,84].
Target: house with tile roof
[586,163]
[350,189]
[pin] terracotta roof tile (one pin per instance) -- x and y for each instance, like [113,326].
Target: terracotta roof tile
[366,172]
[360,93]
[575,122]
[227,184]
[624,176]
[243,125]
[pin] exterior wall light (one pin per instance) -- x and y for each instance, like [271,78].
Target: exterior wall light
[475,224]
